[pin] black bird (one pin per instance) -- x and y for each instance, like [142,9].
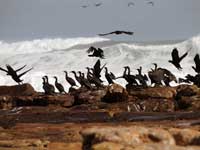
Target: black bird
[92,79]
[13,73]
[77,78]
[98,4]
[45,86]
[117,32]
[69,79]
[176,59]
[84,81]
[50,87]
[131,79]
[109,76]
[197,63]
[150,3]
[59,86]
[131,4]
[97,69]
[85,6]
[142,78]
[96,52]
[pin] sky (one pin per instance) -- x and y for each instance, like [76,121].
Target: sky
[37,19]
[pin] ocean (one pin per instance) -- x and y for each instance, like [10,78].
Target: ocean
[52,56]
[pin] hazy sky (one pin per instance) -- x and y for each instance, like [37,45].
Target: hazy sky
[166,20]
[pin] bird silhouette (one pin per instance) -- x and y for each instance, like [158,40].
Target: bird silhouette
[117,33]
[197,63]
[176,59]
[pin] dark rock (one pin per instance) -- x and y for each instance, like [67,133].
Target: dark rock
[17,90]
[154,92]
[115,93]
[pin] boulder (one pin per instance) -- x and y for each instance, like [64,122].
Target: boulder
[154,92]
[187,90]
[128,136]
[115,93]
[17,90]
[186,136]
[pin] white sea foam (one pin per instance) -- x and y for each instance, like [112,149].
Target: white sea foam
[53,56]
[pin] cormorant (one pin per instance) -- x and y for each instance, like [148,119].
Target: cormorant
[117,32]
[176,59]
[96,52]
[69,79]
[13,73]
[109,76]
[92,79]
[50,87]
[59,86]
[197,63]
[97,69]
[77,78]
[45,86]
[131,79]
[84,81]
[142,78]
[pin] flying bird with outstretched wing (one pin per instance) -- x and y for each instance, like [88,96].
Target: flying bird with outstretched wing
[117,33]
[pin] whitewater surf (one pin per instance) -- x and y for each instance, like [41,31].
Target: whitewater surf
[52,56]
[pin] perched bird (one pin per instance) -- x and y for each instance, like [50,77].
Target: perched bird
[117,32]
[197,63]
[78,79]
[50,87]
[131,79]
[109,76]
[45,86]
[176,59]
[13,73]
[69,79]
[84,81]
[59,86]
[92,79]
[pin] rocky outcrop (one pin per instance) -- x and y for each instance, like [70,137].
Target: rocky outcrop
[115,93]
[17,90]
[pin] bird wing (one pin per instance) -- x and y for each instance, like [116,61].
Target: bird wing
[112,76]
[175,54]
[184,55]
[20,68]
[24,72]
[197,60]
[3,70]
[106,33]
[128,32]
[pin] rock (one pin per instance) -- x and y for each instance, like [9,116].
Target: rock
[17,90]
[115,93]
[154,92]
[110,146]
[191,103]
[64,146]
[6,102]
[185,136]
[89,97]
[186,90]
[128,136]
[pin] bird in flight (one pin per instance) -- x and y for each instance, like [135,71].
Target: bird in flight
[176,59]
[85,6]
[131,4]
[98,4]
[117,33]
[150,3]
